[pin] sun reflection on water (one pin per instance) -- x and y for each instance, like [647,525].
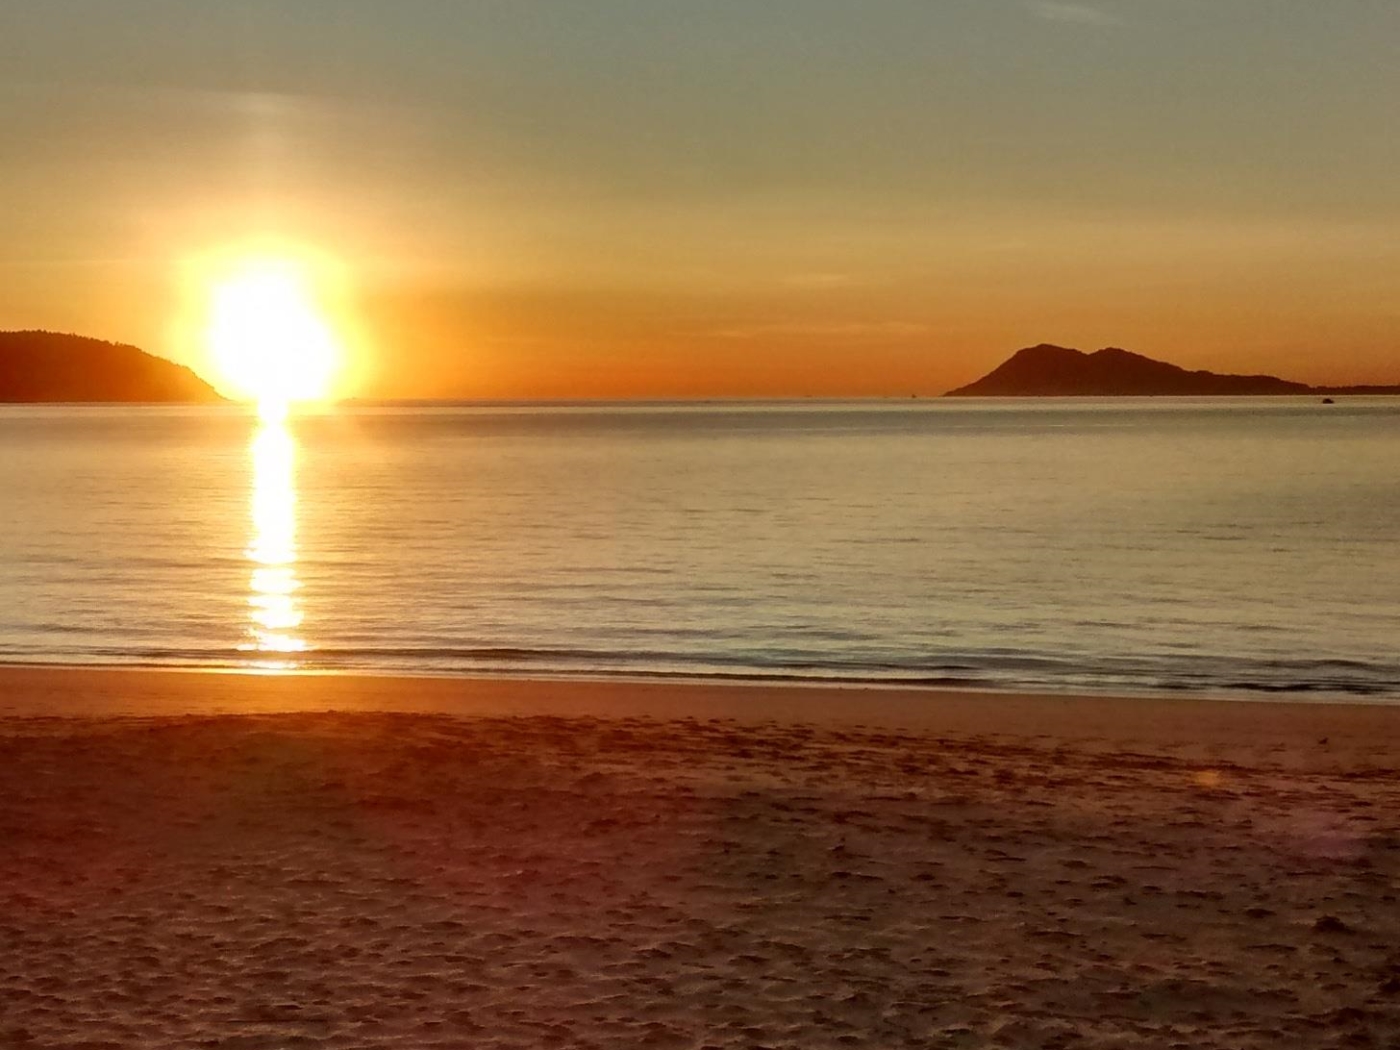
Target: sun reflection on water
[274,610]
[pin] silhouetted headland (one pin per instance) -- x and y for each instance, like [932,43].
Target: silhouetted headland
[51,366]
[1057,371]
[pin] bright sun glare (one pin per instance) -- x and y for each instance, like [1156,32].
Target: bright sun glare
[269,336]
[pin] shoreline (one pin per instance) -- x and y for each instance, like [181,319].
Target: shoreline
[28,691]
[1260,693]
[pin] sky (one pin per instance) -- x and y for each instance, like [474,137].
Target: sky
[634,198]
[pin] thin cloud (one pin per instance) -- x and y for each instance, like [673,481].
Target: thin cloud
[1077,14]
[836,330]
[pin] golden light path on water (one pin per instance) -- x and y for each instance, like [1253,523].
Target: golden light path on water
[274,609]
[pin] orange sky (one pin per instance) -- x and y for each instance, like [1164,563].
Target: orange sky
[641,199]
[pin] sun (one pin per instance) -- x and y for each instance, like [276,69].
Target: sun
[269,336]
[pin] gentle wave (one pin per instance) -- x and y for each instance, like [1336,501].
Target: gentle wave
[1218,676]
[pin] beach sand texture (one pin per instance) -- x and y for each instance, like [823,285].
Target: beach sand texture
[1008,873]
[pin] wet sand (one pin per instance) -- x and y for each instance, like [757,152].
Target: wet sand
[198,860]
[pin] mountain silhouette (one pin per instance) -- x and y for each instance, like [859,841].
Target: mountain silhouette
[1057,371]
[52,366]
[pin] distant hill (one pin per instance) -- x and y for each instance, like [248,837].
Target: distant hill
[50,366]
[1056,371]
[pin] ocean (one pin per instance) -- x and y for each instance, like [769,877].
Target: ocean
[1217,547]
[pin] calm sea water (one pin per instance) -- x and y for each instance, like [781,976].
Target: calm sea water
[1218,546]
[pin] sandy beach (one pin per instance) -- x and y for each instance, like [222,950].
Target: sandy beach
[207,860]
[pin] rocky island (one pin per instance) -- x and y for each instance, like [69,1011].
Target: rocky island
[1057,371]
[56,367]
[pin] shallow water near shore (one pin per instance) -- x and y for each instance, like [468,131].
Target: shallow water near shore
[1222,546]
